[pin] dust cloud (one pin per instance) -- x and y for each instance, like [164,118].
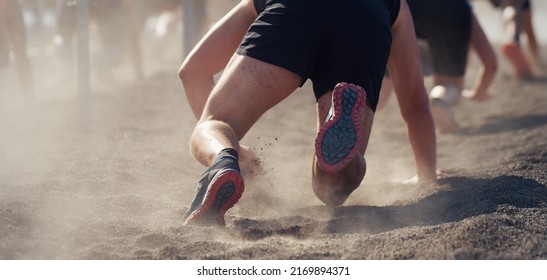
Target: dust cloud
[114,182]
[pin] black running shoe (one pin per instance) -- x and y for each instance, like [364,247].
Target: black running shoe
[219,189]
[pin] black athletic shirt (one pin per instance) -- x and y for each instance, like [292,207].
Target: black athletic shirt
[392,6]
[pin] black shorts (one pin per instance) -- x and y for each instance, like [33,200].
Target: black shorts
[446,27]
[325,41]
[260,5]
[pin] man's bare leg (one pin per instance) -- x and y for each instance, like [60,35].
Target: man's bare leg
[247,90]
[513,16]
[487,72]
[209,57]
[533,46]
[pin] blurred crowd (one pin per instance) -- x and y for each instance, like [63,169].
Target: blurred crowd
[30,28]
[49,27]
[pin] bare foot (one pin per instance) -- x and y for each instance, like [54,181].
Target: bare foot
[414,180]
[472,95]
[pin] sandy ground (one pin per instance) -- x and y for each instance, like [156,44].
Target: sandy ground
[113,183]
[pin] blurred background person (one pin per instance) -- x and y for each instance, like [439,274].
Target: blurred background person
[517,20]
[117,27]
[448,30]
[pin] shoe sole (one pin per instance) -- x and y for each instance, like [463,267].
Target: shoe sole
[444,120]
[223,193]
[340,138]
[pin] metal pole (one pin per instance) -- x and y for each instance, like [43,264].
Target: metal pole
[83,79]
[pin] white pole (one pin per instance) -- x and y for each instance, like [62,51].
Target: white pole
[83,79]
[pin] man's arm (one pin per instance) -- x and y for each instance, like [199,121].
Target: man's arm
[405,70]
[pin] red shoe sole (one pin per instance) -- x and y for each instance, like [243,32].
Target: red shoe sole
[215,187]
[337,100]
